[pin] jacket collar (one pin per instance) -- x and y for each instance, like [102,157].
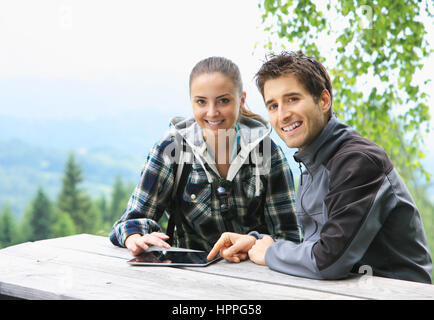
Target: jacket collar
[324,146]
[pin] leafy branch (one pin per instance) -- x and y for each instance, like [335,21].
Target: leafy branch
[373,50]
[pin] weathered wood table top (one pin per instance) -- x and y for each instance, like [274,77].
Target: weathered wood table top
[90,267]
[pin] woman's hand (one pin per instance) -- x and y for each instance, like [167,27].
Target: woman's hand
[232,246]
[136,243]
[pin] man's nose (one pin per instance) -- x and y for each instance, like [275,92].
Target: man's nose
[284,113]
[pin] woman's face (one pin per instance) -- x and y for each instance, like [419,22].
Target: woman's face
[216,102]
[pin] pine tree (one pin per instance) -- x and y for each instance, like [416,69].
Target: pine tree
[69,196]
[102,208]
[101,204]
[63,224]
[73,200]
[41,219]
[118,202]
[8,228]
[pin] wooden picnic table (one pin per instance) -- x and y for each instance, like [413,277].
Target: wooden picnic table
[89,267]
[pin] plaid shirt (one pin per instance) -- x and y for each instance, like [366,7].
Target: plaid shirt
[200,206]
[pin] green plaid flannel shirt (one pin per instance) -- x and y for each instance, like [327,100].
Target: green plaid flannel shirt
[203,222]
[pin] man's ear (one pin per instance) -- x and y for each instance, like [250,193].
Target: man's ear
[325,101]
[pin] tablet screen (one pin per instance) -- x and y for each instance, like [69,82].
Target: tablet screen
[173,258]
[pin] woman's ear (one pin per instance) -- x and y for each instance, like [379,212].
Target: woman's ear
[243,98]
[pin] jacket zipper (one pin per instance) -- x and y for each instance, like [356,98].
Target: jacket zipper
[301,174]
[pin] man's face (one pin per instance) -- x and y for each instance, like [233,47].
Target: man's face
[295,116]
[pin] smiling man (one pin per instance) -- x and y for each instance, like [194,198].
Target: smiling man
[353,206]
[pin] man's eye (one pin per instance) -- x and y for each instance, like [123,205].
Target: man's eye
[271,107]
[292,99]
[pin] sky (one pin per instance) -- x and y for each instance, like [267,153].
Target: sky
[81,59]
[123,45]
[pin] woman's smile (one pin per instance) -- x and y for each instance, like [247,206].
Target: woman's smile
[215,123]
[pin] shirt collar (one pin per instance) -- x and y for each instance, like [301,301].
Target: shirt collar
[324,145]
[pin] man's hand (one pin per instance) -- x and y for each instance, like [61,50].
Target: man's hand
[136,243]
[257,252]
[232,246]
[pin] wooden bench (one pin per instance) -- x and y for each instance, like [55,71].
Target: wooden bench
[90,267]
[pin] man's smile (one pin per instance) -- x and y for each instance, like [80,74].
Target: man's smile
[292,126]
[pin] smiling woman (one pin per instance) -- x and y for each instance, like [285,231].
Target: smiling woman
[217,97]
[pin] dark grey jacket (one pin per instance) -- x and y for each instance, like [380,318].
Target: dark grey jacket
[355,211]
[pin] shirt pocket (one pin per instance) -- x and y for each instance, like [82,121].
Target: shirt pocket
[196,205]
[253,214]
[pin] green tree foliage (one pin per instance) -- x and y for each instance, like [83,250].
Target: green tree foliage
[8,228]
[69,198]
[40,219]
[63,224]
[101,206]
[118,201]
[372,50]
[73,212]
[74,201]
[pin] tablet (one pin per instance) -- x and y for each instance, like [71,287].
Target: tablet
[173,259]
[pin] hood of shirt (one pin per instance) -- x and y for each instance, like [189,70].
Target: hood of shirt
[250,133]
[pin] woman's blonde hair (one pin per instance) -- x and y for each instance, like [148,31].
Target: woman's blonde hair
[227,68]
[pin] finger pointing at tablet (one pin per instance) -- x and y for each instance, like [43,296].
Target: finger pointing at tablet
[232,246]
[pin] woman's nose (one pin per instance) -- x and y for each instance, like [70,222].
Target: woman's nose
[212,110]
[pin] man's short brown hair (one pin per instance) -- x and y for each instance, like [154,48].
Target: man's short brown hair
[308,71]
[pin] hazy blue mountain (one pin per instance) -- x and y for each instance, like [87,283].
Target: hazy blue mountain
[131,135]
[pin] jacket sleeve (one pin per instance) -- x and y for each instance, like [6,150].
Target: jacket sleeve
[355,205]
[280,199]
[150,197]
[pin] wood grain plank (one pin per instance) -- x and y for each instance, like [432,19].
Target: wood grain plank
[36,271]
[361,286]
[356,286]
[88,243]
[366,287]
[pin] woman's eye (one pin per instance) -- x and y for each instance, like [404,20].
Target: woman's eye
[292,99]
[224,100]
[200,101]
